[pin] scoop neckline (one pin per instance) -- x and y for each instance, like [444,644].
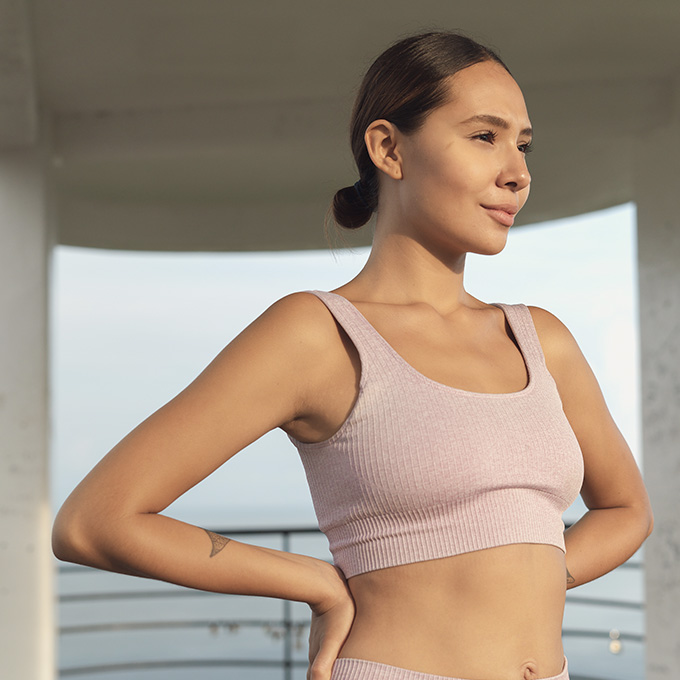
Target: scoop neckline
[439,385]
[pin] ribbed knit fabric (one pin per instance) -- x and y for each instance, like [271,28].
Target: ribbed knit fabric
[420,470]
[347,668]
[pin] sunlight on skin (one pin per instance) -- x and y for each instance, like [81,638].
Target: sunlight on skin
[193,297]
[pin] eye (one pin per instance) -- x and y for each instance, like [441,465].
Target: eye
[526,148]
[489,136]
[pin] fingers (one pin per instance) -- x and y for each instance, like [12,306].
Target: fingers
[327,635]
[322,666]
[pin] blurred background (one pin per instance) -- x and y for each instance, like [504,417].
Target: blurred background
[165,171]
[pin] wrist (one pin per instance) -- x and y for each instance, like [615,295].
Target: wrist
[333,589]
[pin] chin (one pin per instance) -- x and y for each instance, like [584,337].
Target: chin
[490,248]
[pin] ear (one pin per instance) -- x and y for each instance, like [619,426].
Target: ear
[381,139]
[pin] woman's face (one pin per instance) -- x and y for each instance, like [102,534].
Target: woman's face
[464,172]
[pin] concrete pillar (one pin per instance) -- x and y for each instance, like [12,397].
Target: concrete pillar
[26,565]
[657,190]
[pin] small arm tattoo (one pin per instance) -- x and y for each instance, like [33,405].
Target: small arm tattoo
[218,542]
[570,578]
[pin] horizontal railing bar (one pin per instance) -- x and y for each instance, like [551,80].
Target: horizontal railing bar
[269,530]
[187,623]
[603,602]
[575,632]
[74,598]
[79,568]
[178,663]
[188,592]
[253,623]
[141,595]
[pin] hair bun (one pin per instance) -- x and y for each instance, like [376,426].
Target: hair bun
[349,208]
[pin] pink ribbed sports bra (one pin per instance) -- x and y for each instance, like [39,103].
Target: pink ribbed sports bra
[420,470]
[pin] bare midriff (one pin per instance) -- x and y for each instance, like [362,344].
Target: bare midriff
[493,614]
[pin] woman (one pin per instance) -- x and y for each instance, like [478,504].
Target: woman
[442,436]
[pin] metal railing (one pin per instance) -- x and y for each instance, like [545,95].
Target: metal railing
[293,633]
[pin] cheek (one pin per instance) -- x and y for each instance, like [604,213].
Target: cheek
[444,184]
[462,186]
[454,177]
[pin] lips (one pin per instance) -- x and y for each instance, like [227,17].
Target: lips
[503,213]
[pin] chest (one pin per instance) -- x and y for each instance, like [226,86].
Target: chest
[415,443]
[475,356]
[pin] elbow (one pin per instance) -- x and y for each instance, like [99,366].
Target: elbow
[75,537]
[87,533]
[68,541]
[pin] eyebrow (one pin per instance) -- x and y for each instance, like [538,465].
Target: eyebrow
[495,120]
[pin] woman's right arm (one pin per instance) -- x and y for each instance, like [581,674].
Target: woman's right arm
[262,379]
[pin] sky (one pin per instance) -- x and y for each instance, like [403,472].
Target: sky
[129,330]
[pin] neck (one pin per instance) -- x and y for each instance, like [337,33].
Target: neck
[401,270]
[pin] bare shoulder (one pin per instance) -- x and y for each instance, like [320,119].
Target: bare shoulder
[548,324]
[318,358]
[302,332]
[559,345]
[302,318]
[566,362]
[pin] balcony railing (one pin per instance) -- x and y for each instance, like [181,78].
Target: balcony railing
[105,620]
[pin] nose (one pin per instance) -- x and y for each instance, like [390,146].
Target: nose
[515,173]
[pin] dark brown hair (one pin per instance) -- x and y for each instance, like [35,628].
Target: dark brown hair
[403,85]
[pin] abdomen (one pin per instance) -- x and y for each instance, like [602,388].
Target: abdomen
[479,614]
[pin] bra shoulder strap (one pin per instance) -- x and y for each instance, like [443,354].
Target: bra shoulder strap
[522,325]
[370,346]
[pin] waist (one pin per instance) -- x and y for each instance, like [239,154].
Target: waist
[468,615]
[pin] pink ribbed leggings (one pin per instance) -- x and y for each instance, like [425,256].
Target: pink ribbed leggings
[346,668]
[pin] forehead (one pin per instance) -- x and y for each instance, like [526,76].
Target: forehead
[485,89]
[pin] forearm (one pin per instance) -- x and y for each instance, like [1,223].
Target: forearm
[159,547]
[603,539]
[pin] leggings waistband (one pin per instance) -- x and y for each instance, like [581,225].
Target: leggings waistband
[348,668]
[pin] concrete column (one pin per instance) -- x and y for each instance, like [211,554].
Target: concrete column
[26,565]
[657,195]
